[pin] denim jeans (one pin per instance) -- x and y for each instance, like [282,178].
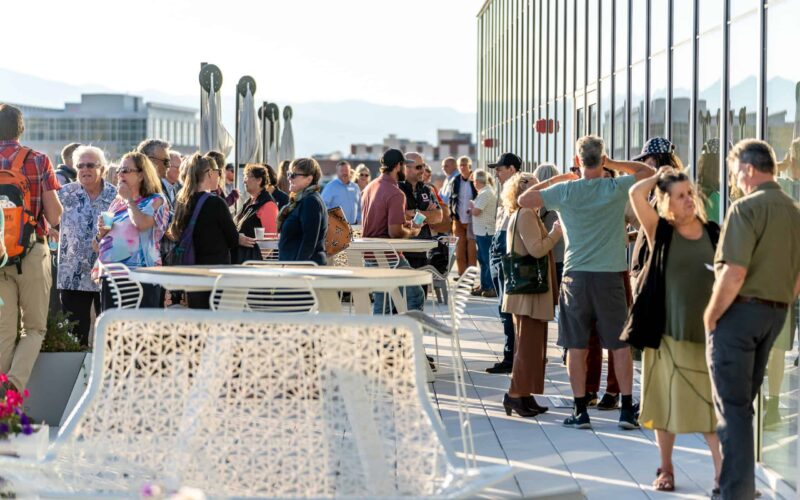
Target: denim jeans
[484,242]
[415,295]
[498,249]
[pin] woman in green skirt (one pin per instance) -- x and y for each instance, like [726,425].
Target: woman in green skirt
[676,388]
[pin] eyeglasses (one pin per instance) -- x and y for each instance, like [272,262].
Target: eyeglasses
[127,170]
[163,161]
[217,170]
[363,175]
[81,166]
[292,175]
[419,167]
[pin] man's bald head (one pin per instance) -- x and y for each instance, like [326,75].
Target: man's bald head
[449,165]
[414,170]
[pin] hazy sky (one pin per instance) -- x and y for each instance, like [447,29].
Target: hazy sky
[405,53]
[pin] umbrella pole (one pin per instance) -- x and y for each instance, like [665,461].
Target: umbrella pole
[202,117]
[264,142]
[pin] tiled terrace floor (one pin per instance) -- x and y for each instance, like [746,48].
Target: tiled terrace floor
[605,462]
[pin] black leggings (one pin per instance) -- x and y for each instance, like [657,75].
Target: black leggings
[78,304]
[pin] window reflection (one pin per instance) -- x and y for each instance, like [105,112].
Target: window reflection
[659,25]
[682,100]
[580,49]
[605,110]
[658,95]
[620,113]
[637,110]
[569,135]
[782,385]
[606,32]
[621,35]
[682,20]
[638,30]
[592,50]
[709,81]
[743,84]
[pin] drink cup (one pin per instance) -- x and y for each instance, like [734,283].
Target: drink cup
[259,233]
[419,219]
[108,219]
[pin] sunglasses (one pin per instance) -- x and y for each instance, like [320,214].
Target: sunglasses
[292,175]
[419,167]
[81,166]
[127,170]
[163,161]
[363,175]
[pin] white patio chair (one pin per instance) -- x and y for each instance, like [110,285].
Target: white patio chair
[441,282]
[217,411]
[268,294]
[127,294]
[382,255]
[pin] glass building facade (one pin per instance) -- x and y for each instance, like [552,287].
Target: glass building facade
[703,73]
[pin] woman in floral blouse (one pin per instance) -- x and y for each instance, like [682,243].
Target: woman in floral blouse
[83,202]
[141,216]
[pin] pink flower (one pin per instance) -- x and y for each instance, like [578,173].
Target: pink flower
[13,398]
[26,394]
[3,378]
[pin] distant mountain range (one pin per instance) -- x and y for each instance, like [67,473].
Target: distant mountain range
[319,127]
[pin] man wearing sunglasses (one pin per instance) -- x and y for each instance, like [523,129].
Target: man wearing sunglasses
[419,198]
[157,151]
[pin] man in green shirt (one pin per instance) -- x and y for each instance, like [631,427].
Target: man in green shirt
[592,214]
[757,276]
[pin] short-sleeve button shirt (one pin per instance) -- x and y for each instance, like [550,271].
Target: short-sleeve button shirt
[382,204]
[762,234]
[592,212]
[40,174]
[76,257]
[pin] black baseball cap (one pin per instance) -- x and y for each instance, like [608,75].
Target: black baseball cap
[507,160]
[392,157]
[229,166]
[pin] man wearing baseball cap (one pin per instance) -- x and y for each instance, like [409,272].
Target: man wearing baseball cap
[506,166]
[383,215]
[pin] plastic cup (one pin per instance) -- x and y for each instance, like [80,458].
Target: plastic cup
[259,233]
[419,219]
[108,219]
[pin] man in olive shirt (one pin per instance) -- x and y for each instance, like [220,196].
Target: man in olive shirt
[757,277]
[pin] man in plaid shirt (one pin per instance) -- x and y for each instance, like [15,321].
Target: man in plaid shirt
[25,287]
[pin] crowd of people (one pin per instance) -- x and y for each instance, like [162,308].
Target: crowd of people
[704,302]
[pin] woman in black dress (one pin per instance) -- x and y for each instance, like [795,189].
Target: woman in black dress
[214,234]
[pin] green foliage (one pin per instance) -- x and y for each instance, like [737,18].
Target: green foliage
[59,336]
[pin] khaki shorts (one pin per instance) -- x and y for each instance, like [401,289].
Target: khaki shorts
[587,299]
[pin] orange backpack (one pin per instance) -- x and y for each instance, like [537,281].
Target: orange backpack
[15,200]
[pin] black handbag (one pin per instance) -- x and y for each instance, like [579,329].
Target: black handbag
[524,274]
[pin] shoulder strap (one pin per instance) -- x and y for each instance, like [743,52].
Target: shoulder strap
[513,228]
[712,228]
[20,159]
[190,227]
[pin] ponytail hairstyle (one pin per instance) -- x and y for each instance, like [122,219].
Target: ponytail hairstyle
[196,169]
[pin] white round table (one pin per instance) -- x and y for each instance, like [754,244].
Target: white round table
[367,244]
[326,281]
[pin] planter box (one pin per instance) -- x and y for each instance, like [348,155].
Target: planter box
[52,381]
[31,447]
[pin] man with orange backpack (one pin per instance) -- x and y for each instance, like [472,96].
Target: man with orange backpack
[28,198]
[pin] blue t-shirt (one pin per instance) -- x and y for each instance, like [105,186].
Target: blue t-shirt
[337,194]
[592,212]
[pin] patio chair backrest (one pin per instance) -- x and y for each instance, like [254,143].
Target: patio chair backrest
[266,405]
[380,255]
[269,294]
[452,244]
[461,293]
[127,294]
